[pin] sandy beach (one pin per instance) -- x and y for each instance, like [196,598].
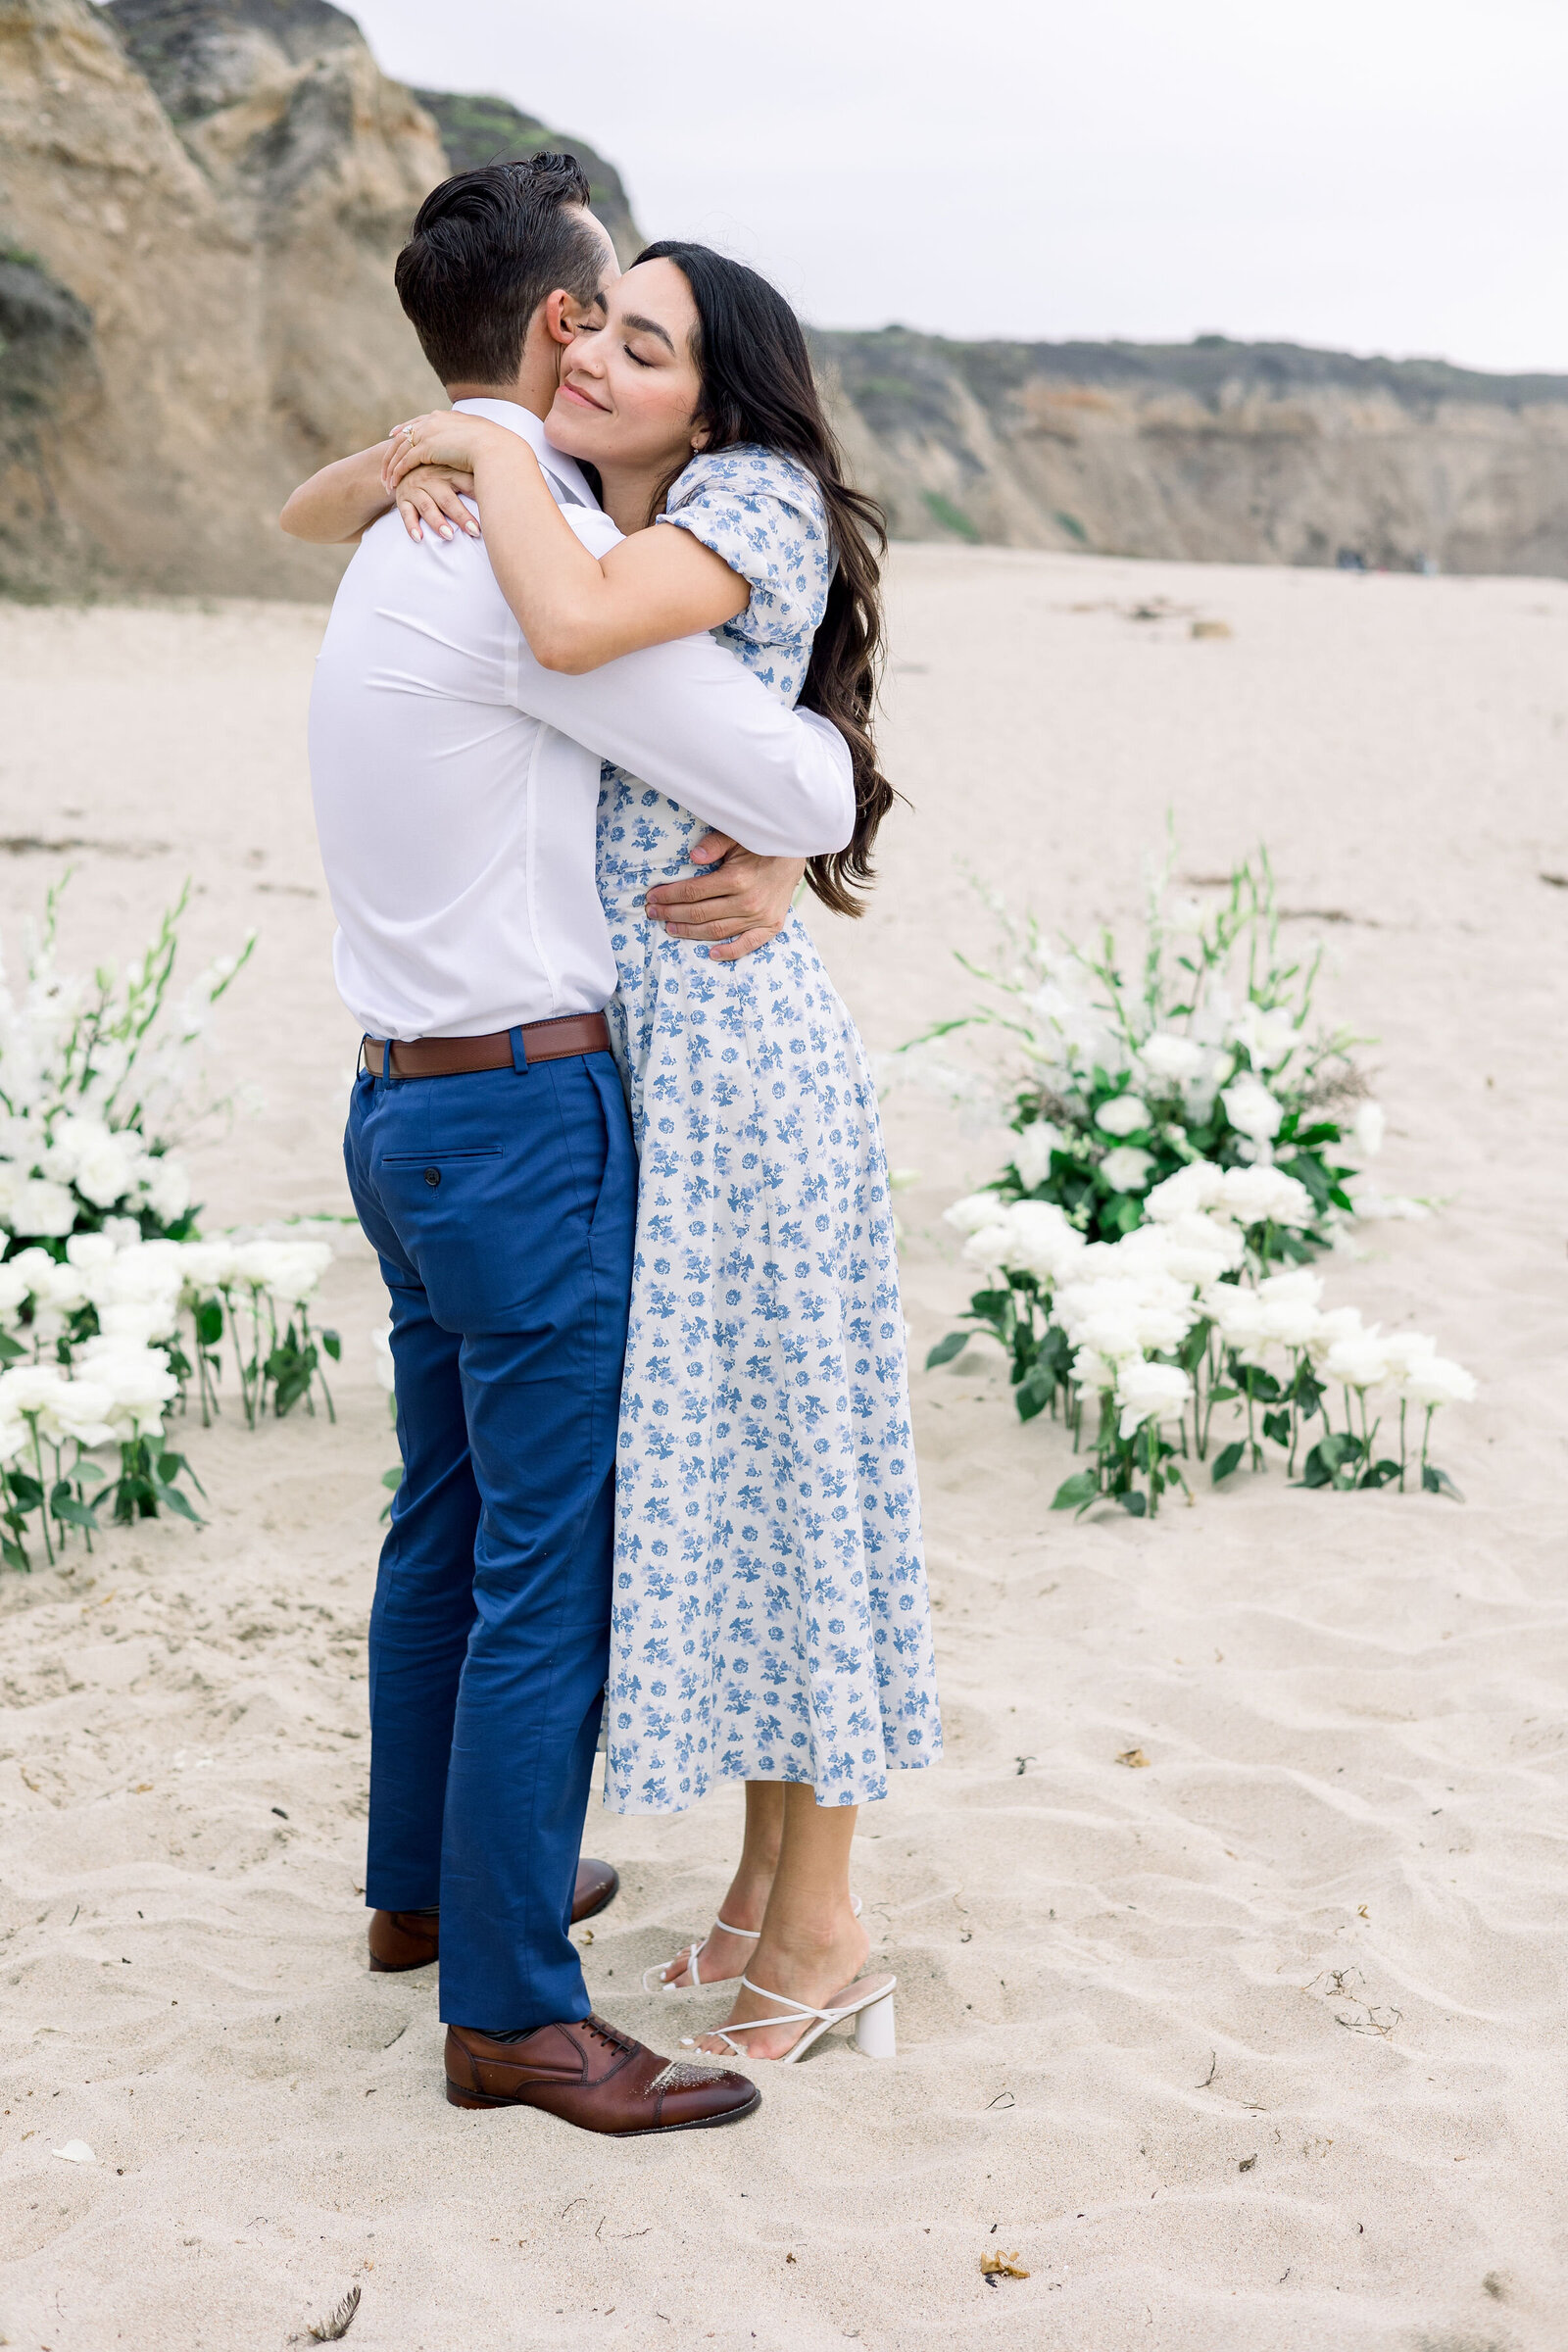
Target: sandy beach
[1259,2049]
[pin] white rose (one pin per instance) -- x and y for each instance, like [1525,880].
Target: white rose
[206,1266]
[1040,1240]
[43,1207]
[15,1438]
[80,1409]
[1370,1123]
[1360,1361]
[1113,1332]
[29,1389]
[1299,1283]
[1288,1322]
[1169,1059]
[1236,1314]
[1258,1196]
[297,1268]
[168,1187]
[1149,1393]
[136,1322]
[105,1170]
[1198,1186]
[14,1289]
[1406,1349]
[1252,1110]
[123,1232]
[138,1380]
[1334,1323]
[91,1251]
[1123,1114]
[149,1274]
[1434,1379]
[1126,1169]
[1091,1371]
[988,1248]
[975,1213]
[1031,1154]
[1198,1249]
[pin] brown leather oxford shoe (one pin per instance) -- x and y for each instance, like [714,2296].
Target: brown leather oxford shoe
[400,1939]
[592,2075]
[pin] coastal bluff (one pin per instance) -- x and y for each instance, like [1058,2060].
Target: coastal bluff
[200,204]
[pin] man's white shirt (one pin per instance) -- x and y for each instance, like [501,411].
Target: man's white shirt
[457,782]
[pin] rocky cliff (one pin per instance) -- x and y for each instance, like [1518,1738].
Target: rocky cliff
[1249,453]
[200,204]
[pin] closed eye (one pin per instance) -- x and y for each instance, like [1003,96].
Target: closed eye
[636,354]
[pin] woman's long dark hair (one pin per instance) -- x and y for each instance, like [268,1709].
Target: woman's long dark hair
[758,387]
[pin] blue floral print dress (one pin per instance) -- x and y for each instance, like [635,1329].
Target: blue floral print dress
[770,1616]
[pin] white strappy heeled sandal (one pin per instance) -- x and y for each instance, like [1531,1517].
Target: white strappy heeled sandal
[661,1983]
[868,2000]
[699,1983]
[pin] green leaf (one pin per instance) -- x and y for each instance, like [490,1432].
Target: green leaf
[393,1478]
[74,1513]
[1134,1504]
[176,1500]
[26,1489]
[1278,1427]
[1077,1493]
[10,1349]
[946,1350]
[169,1466]
[333,1344]
[1437,1482]
[1378,1474]
[1228,1460]
[14,1555]
[210,1322]
[1223,1396]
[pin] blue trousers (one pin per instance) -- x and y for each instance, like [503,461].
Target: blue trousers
[502,1206]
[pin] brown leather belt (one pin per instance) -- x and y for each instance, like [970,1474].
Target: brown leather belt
[452,1056]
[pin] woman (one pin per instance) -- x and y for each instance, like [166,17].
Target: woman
[770,1612]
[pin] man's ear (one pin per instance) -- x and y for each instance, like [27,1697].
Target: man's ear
[566,316]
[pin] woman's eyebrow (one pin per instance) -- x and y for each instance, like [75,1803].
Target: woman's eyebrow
[648,326]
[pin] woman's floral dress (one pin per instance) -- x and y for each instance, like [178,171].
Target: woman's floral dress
[771,1617]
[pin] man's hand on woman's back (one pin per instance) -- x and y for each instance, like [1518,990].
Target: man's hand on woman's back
[741,903]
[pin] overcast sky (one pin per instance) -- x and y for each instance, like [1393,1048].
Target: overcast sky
[1372,174]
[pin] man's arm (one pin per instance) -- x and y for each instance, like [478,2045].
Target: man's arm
[686,718]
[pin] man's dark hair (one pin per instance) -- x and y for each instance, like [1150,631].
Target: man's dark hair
[486,248]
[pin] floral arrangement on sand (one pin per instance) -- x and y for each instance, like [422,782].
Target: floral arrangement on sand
[1187,1144]
[99,1268]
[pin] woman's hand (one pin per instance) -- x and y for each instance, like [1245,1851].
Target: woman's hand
[433,495]
[445,438]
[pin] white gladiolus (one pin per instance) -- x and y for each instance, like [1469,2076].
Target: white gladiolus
[1360,1361]
[1370,1123]
[1198,1186]
[1126,1169]
[1031,1154]
[1123,1114]
[973,1212]
[1150,1392]
[1252,1110]
[1169,1059]
[1269,1035]
[1258,1196]
[1434,1379]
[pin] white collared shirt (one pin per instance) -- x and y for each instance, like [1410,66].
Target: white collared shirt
[457,782]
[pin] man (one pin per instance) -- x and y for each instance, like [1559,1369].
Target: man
[489,1152]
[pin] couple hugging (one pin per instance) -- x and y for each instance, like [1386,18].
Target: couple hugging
[627,1189]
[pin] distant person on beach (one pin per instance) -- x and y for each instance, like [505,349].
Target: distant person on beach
[490,1153]
[772,1620]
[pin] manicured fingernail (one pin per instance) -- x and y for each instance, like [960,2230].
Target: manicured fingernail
[473,530]
[446,530]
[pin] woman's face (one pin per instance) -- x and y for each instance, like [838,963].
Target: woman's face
[628,389]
